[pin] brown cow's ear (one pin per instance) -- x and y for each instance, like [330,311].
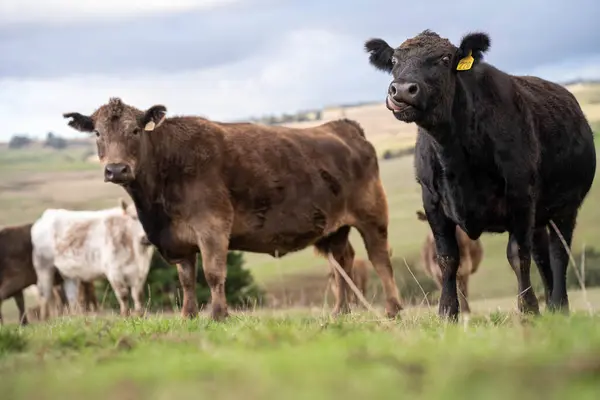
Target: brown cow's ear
[123,204]
[153,117]
[82,123]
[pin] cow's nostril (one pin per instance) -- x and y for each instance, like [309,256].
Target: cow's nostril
[393,90]
[413,89]
[123,169]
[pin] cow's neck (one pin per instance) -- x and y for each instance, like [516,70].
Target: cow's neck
[451,139]
[145,193]
[452,136]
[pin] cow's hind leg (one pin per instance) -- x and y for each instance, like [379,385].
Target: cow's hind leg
[559,300]
[340,248]
[45,284]
[20,301]
[463,293]
[187,278]
[541,256]
[375,238]
[519,257]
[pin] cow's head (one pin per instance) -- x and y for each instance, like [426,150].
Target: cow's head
[121,133]
[424,70]
[135,226]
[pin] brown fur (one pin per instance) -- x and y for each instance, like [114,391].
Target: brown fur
[471,254]
[214,187]
[74,238]
[17,272]
[359,275]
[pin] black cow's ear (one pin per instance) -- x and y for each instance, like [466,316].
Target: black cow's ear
[470,52]
[82,123]
[380,54]
[153,117]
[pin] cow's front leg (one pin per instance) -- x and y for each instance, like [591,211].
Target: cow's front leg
[136,294]
[187,278]
[122,294]
[448,259]
[214,262]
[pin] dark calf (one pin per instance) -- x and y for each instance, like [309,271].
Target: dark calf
[495,153]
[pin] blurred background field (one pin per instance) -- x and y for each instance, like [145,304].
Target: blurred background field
[37,176]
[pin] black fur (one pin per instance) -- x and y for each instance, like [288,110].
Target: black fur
[380,54]
[498,153]
[476,42]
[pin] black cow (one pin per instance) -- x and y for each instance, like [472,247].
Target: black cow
[495,153]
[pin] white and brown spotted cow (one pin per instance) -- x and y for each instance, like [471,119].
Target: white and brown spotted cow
[87,245]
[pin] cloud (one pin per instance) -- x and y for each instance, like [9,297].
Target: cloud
[253,57]
[309,77]
[60,11]
[166,39]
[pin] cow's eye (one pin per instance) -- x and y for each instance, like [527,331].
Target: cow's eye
[394,60]
[136,130]
[96,133]
[446,59]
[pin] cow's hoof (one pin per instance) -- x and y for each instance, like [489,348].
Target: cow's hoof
[219,312]
[393,308]
[528,304]
[339,310]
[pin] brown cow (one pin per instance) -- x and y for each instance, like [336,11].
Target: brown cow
[471,253]
[17,272]
[359,275]
[214,187]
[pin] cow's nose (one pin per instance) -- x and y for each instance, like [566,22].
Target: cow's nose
[404,92]
[117,172]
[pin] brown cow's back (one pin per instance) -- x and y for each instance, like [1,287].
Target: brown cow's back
[315,172]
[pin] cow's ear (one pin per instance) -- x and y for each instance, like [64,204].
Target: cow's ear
[153,117]
[82,123]
[380,54]
[123,205]
[470,52]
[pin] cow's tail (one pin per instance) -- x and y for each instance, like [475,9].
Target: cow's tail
[421,216]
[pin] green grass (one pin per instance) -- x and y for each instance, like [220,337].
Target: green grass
[38,159]
[298,355]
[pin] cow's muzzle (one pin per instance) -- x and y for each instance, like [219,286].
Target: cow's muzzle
[118,173]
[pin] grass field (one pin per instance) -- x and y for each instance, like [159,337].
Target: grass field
[303,354]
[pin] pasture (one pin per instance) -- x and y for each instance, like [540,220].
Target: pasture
[298,351]
[302,354]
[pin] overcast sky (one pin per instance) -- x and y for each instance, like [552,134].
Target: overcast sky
[230,59]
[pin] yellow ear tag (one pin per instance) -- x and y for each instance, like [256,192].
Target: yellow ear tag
[465,63]
[150,126]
